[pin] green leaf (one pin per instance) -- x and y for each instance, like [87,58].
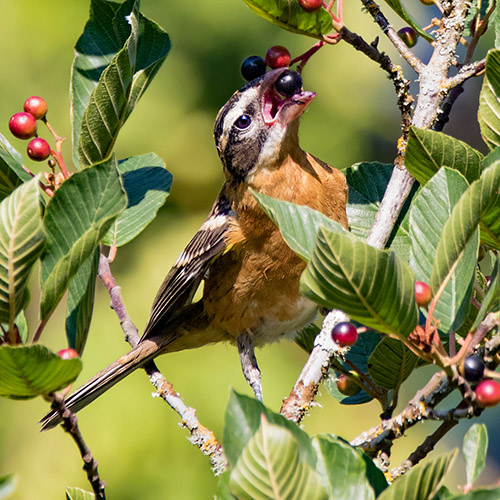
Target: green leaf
[391,363]
[474,449]
[289,15]
[120,87]
[270,467]
[147,184]
[7,485]
[489,101]
[480,494]
[12,152]
[78,494]
[223,492]
[491,300]
[348,274]
[298,224]
[103,37]
[398,8]
[367,184]
[443,494]
[421,482]
[427,151]
[430,212]
[29,371]
[20,328]
[81,293]
[349,473]
[306,337]
[479,204]
[242,420]
[77,217]
[21,243]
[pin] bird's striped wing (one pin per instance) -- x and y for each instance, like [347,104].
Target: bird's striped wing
[182,281]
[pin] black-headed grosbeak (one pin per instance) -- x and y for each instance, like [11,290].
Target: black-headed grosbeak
[251,291]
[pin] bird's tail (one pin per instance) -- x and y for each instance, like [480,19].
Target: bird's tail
[145,351]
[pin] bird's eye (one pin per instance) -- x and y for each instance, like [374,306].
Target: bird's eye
[243,122]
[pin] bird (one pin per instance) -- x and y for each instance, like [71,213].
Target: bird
[251,277]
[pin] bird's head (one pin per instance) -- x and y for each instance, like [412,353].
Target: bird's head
[258,126]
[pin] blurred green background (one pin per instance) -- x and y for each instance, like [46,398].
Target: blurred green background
[142,452]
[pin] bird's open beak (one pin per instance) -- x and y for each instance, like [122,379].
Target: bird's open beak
[279,109]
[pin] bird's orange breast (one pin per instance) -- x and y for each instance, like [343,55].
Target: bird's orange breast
[254,286]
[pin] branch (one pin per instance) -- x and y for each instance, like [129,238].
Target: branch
[70,425]
[391,33]
[203,438]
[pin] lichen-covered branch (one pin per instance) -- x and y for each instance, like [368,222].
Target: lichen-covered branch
[202,437]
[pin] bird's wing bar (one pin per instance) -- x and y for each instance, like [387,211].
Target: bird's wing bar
[183,279]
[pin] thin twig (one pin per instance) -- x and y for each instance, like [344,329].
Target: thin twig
[70,425]
[202,437]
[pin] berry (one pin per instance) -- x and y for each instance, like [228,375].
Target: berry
[472,368]
[68,353]
[488,393]
[422,294]
[427,2]
[289,83]
[36,106]
[344,334]
[347,386]
[22,125]
[253,67]
[38,149]
[408,35]
[310,5]
[278,57]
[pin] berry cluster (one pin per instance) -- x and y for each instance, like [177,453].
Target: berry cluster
[487,390]
[23,126]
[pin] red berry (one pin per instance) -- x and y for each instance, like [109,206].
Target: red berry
[36,106]
[22,125]
[344,334]
[278,57]
[408,35]
[68,353]
[310,5]
[488,393]
[422,294]
[347,386]
[38,149]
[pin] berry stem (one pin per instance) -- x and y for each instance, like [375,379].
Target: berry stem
[57,154]
[303,58]
[373,390]
[46,189]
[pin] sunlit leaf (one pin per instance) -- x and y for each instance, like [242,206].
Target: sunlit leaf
[298,224]
[270,467]
[21,243]
[430,212]
[421,482]
[427,151]
[78,494]
[479,205]
[288,14]
[474,449]
[77,218]
[29,371]
[348,472]
[348,274]
[147,184]
[489,101]
[120,86]
[81,293]
[7,485]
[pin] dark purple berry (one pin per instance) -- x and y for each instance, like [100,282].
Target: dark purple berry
[289,83]
[253,67]
[473,368]
[408,35]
